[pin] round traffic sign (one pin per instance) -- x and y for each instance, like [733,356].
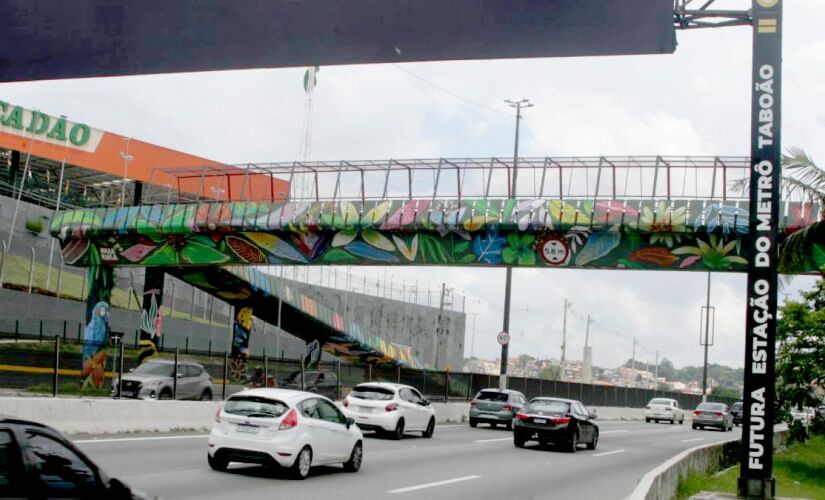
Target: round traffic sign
[503,338]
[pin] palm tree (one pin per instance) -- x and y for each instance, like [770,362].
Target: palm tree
[799,174]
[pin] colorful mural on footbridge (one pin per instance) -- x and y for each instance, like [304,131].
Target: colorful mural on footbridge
[633,234]
[209,244]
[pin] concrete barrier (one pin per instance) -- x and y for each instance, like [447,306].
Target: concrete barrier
[661,483]
[110,416]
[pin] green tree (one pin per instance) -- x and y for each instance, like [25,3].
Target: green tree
[800,357]
[724,392]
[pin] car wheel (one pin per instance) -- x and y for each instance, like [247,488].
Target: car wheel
[695,426]
[592,445]
[165,394]
[509,425]
[354,462]
[300,469]
[573,443]
[473,422]
[215,463]
[206,395]
[647,420]
[430,429]
[398,433]
[518,441]
[682,420]
[672,420]
[493,425]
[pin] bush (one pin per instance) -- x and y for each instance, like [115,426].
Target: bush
[34,226]
[818,425]
[797,432]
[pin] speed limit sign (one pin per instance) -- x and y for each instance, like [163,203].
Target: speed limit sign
[503,338]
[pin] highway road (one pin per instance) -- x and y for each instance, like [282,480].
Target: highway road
[458,462]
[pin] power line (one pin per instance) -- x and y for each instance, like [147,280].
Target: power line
[452,94]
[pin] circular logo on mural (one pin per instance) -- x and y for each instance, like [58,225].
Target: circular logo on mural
[503,338]
[554,251]
[767,3]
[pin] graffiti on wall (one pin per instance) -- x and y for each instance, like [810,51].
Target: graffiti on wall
[151,315]
[633,234]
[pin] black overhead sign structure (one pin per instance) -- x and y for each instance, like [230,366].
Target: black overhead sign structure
[54,39]
[756,460]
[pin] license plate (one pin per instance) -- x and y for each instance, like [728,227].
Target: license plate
[251,429]
[127,394]
[539,420]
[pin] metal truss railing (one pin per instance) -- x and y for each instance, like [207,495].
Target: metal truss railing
[596,177]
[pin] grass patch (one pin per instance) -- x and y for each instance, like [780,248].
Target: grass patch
[69,388]
[799,473]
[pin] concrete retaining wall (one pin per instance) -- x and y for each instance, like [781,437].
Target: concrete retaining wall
[661,483]
[109,416]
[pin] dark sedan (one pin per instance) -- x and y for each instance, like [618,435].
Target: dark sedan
[563,422]
[736,410]
[36,461]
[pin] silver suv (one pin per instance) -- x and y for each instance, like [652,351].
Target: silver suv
[153,380]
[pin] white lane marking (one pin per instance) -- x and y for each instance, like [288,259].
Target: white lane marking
[694,439]
[608,432]
[492,440]
[148,438]
[432,485]
[608,453]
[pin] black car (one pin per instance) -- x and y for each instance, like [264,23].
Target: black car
[36,461]
[563,422]
[736,411]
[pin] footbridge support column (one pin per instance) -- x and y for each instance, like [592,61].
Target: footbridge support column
[239,354]
[96,333]
[151,317]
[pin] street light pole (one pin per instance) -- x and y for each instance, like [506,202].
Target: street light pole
[508,281]
[707,332]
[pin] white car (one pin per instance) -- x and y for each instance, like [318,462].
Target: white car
[292,429]
[664,409]
[390,408]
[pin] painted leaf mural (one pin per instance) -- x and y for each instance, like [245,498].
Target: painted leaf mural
[600,233]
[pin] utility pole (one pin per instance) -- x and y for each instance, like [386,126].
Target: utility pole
[564,341]
[656,371]
[438,332]
[508,281]
[633,364]
[706,343]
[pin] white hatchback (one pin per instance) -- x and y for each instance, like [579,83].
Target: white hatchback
[664,409]
[390,408]
[292,429]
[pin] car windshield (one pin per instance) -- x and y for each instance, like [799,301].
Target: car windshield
[660,401]
[372,393]
[492,396]
[255,406]
[162,369]
[550,406]
[711,407]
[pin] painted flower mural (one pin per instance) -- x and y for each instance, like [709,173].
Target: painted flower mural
[644,234]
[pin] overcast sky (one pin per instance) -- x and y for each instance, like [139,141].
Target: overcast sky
[694,102]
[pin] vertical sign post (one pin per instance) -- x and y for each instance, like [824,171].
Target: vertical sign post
[756,459]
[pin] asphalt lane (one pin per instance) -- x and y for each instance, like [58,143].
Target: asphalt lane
[458,462]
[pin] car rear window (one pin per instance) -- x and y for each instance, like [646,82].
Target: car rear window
[492,396]
[736,406]
[660,401]
[255,406]
[549,406]
[372,393]
[711,407]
